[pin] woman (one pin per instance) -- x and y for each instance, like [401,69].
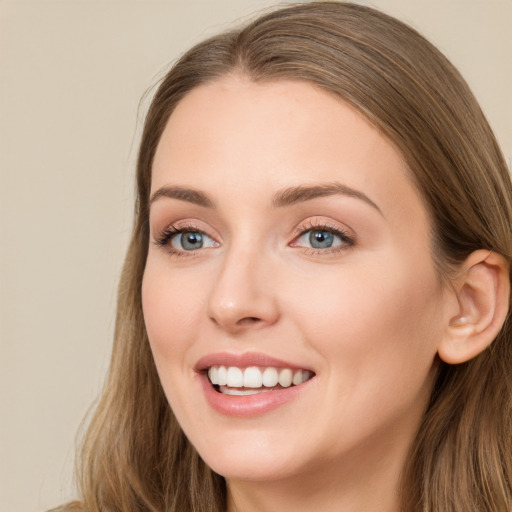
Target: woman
[313,312]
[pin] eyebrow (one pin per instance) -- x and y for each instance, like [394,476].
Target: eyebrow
[183,194]
[286,197]
[301,193]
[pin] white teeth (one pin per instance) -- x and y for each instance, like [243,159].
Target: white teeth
[235,377]
[255,378]
[297,378]
[285,377]
[222,376]
[270,377]
[213,374]
[242,392]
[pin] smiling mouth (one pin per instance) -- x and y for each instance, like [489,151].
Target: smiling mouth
[232,380]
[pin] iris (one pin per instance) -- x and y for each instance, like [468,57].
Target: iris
[191,240]
[321,239]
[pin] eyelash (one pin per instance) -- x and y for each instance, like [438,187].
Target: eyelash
[163,238]
[347,241]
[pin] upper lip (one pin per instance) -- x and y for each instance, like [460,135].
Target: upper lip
[244,360]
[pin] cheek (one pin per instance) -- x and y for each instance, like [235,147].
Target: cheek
[170,306]
[376,336]
[374,321]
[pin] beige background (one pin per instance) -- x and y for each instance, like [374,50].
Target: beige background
[71,76]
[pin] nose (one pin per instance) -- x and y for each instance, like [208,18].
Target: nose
[243,296]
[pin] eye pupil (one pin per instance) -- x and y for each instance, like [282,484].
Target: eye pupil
[192,240]
[321,239]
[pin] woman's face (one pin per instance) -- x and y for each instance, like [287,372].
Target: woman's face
[287,239]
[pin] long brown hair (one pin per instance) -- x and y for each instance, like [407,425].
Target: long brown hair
[135,456]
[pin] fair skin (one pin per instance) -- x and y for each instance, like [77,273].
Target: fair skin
[341,284]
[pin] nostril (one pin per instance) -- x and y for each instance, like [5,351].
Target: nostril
[248,320]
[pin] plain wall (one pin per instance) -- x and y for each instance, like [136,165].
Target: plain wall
[71,77]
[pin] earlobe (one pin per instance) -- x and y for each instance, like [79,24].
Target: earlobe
[483,291]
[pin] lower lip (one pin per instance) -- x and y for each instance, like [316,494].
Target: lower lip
[250,405]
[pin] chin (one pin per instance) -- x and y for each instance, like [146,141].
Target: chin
[252,463]
[243,471]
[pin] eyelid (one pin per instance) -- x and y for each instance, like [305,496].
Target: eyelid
[163,238]
[179,237]
[318,222]
[347,236]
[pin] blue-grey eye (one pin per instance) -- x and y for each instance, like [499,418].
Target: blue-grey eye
[191,241]
[323,238]
[320,239]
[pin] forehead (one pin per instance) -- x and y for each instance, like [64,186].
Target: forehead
[250,136]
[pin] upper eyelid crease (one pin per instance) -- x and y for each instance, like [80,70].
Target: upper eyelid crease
[281,198]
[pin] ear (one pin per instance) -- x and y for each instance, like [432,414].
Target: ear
[482,291]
